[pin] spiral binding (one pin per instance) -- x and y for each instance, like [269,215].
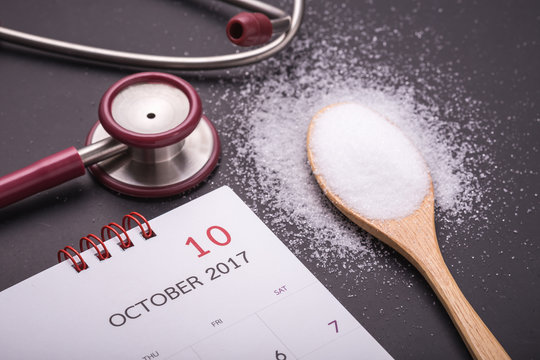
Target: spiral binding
[107,232]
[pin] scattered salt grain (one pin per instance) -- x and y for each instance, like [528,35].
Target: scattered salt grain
[264,127]
[367,162]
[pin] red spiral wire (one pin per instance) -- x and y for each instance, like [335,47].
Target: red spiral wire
[126,224]
[112,228]
[101,254]
[78,266]
[124,243]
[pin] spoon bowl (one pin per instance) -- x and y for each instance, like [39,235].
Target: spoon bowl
[414,237]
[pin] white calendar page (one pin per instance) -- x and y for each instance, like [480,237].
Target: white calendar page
[214,283]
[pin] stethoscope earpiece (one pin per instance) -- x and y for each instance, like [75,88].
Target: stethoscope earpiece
[151,141]
[245,29]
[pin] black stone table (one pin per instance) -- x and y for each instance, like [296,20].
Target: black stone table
[48,103]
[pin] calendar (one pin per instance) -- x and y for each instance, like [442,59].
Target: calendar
[212,282]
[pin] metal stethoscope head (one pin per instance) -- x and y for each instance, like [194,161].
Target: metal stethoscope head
[151,141]
[244,29]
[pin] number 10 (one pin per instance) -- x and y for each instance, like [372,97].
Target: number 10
[202,252]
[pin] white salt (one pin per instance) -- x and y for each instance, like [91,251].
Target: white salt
[368,162]
[264,126]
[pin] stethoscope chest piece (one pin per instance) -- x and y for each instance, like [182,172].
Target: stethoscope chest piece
[152,140]
[170,145]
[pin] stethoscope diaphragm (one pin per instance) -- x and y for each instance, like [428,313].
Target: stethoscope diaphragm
[151,141]
[172,146]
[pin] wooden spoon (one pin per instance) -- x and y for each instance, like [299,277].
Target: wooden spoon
[414,237]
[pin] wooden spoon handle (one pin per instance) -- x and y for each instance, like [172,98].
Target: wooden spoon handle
[479,340]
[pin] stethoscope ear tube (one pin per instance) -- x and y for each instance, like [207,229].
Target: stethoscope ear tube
[54,170]
[282,26]
[41,175]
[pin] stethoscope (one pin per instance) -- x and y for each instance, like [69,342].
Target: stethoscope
[244,29]
[152,139]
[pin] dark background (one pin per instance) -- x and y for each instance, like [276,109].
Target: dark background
[48,103]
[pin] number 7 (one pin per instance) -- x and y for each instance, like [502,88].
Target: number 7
[335,323]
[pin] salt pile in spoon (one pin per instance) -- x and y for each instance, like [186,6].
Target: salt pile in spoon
[367,161]
[264,126]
